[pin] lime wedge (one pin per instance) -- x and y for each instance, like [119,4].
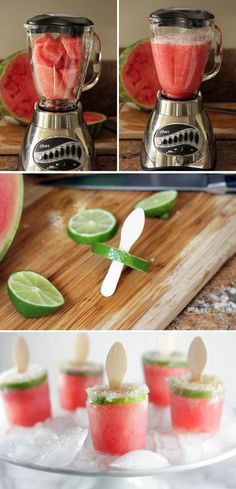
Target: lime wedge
[33,295]
[158,204]
[116,254]
[92,226]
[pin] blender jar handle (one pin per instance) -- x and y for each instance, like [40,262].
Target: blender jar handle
[97,65]
[218,56]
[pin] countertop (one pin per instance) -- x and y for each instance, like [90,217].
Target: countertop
[220,476]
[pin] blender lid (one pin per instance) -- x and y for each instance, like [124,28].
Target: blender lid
[181,17]
[58,23]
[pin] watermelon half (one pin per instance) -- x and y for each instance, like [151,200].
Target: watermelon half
[138,78]
[95,121]
[17,92]
[11,205]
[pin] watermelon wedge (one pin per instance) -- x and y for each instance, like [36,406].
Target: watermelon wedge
[17,92]
[138,79]
[11,205]
[95,121]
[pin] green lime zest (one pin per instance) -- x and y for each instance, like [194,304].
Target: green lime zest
[121,256]
[25,384]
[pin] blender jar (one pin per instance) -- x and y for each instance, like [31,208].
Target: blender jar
[60,48]
[181,40]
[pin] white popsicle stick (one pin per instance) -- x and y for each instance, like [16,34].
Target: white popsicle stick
[81,348]
[116,365]
[197,359]
[166,343]
[131,230]
[21,355]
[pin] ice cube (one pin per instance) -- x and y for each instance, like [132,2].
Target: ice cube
[140,460]
[81,417]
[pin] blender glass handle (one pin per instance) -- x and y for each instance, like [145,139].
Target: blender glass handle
[218,56]
[97,65]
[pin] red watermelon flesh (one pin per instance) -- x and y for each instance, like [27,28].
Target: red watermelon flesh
[138,74]
[11,204]
[58,60]
[17,91]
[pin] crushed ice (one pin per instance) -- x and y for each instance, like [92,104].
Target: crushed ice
[64,442]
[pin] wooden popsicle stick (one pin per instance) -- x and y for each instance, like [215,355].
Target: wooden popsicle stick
[166,343]
[81,348]
[21,355]
[197,359]
[116,365]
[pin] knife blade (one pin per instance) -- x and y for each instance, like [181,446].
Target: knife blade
[218,184]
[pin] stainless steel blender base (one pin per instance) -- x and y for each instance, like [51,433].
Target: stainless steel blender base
[178,135]
[57,141]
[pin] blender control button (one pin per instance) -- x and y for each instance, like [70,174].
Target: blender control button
[79,152]
[175,139]
[67,150]
[196,138]
[56,153]
[45,156]
[164,141]
[50,155]
[191,135]
[170,140]
[186,136]
[73,149]
[180,138]
[62,152]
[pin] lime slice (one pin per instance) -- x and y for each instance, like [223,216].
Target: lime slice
[116,254]
[158,204]
[33,295]
[92,226]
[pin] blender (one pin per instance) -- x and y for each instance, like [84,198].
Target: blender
[60,48]
[179,134]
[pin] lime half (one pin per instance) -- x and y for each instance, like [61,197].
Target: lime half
[33,295]
[116,254]
[92,226]
[158,204]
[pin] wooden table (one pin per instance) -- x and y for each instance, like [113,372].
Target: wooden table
[133,122]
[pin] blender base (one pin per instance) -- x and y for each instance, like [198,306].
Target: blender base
[116,483]
[178,136]
[57,141]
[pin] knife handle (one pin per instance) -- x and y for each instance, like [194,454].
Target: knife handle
[230,181]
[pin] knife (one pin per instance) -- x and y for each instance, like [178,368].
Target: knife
[216,184]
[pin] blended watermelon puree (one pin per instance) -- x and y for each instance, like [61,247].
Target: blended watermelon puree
[196,406]
[180,66]
[25,395]
[73,381]
[56,61]
[157,369]
[118,419]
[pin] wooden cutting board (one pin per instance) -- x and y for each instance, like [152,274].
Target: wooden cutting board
[133,121]
[184,253]
[12,134]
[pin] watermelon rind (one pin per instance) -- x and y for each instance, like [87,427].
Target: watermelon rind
[95,127]
[4,110]
[8,239]
[124,95]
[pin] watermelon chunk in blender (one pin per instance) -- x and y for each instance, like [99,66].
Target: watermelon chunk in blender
[196,407]
[118,418]
[158,367]
[25,395]
[73,381]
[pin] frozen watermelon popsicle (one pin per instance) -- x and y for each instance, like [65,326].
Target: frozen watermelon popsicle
[158,366]
[117,412]
[196,400]
[24,389]
[75,376]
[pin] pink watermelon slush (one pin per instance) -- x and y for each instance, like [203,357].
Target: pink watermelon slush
[180,67]
[157,369]
[118,419]
[25,396]
[56,65]
[196,406]
[73,382]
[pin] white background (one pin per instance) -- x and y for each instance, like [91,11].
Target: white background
[49,348]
